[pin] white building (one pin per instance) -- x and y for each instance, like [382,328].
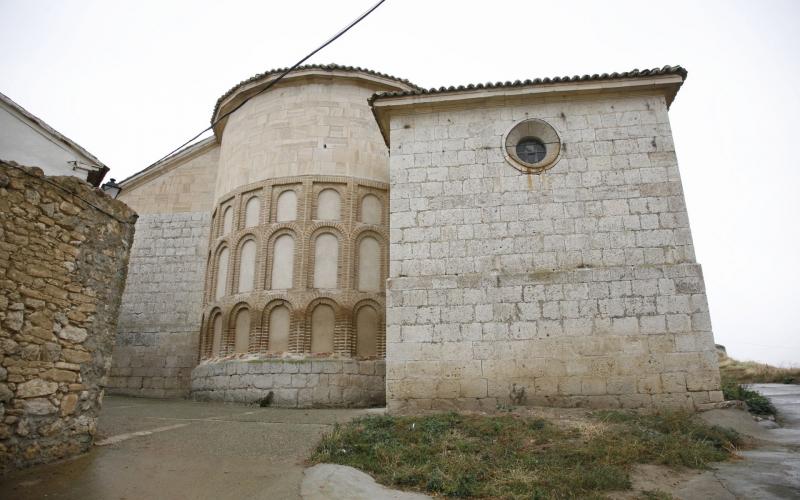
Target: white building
[27,140]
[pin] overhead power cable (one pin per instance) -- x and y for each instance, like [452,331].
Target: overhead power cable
[273,82]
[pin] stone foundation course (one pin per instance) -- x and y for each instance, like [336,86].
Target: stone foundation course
[293,382]
[64,249]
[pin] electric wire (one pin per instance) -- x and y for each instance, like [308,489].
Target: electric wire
[273,82]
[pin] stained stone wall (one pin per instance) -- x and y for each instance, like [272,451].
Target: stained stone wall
[158,343]
[63,261]
[295,382]
[576,287]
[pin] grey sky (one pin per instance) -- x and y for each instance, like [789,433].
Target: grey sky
[130,81]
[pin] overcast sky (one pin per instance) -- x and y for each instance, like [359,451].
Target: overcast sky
[130,81]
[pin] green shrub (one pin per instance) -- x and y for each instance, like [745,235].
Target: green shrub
[755,401]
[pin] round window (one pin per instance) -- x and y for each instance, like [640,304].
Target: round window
[532,146]
[531,150]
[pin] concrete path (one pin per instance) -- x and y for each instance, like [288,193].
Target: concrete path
[156,449]
[773,470]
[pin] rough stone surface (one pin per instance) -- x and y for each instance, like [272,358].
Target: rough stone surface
[576,287]
[294,382]
[63,261]
[157,344]
[333,482]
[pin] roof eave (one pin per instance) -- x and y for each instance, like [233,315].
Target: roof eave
[99,168]
[245,90]
[383,105]
[167,164]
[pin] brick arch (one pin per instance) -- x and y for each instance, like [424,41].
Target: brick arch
[215,221]
[224,206]
[246,196]
[340,330]
[349,232]
[370,232]
[209,278]
[237,259]
[214,268]
[380,334]
[317,188]
[263,334]
[229,322]
[268,251]
[276,192]
[207,338]
[359,209]
[342,268]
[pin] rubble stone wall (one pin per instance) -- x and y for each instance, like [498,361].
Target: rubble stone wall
[64,250]
[575,287]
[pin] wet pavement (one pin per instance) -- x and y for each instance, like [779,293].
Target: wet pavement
[771,471]
[176,449]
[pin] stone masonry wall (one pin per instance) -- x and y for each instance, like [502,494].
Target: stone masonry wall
[63,260]
[576,287]
[158,341]
[294,383]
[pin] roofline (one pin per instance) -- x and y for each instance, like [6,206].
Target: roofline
[168,163]
[94,178]
[253,85]
[667,80]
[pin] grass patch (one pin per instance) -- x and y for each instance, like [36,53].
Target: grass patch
[750,372]
[516,457]
[756,403]
[737,374]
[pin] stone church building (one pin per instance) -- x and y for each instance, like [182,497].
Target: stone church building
[347,238]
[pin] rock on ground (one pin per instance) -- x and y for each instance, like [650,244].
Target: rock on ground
[334,482]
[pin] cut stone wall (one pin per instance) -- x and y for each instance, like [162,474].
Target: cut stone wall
[157,344]
[576,287]
[63,260]
[314,125]
[294,383]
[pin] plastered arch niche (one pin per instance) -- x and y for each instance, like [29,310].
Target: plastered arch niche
[222,273]
[329,205]
[369,265]
[278,328]
[283,263]
[227,221]
[242,331]
[367,332]
[251,211]
[286,210]
[247,266]
[216,342]
[371,209]
[326,261]
[323,323]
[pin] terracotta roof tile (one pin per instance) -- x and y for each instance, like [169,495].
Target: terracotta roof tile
[326,67]
[636,73]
